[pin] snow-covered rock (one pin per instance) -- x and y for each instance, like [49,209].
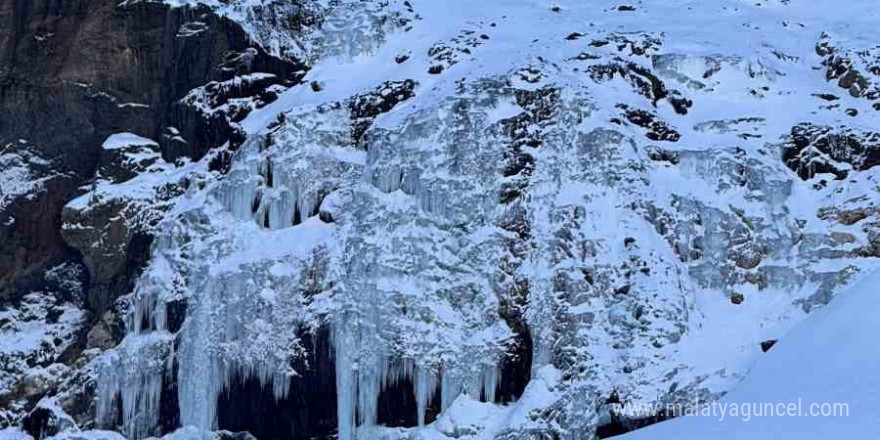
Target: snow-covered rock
[482,220]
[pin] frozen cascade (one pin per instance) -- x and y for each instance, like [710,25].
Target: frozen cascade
[243,271]
[363,372]
[214,350]
[238,193]
[421,204]
[209,356]
[134,375]
[134,372]
[147,308]
[274,197]
[490,382]
[150,298]
[346,383]
[479,382]
[450,388]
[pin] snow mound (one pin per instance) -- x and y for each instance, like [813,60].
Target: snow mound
[121,140]
[828,359]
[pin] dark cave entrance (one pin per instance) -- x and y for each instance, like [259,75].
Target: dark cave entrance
[309,410]
[516,367]
[169,405]
[397,406]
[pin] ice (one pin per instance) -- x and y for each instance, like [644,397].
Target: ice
[133,373]
[425,384]
[240,194]
[627,260]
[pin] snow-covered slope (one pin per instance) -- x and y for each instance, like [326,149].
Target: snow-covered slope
[828,359]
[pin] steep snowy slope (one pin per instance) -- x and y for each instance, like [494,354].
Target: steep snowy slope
[825,360]
[480,220]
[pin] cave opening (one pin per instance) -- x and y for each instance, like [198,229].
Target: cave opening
[516,366]
[309,410]
[398,408]
[169,405]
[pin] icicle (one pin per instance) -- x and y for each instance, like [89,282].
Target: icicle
[279,213]
[395,371]
[238,194]
[411,182]
[305,207]
[258,200]
[450,388]
[346,386]
[202,375]
[433,200]
[480,383]
[425,388]
[490,382]
[369,381]
[388,180]
[149,307]
[540,326]
[361,373]
[473,383]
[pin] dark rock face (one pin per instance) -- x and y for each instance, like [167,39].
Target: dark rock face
[33,240]
[44,422]
[655,128]
[52,304]
[619,425]
[854,72]
[243,435]
[643,82]
[75,71]
[813,149]
[767,345]
[121,164]
[516,367]
[366,107]
[519,161]
[513,290]
[397,405]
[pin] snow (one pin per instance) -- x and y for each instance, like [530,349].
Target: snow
[14,434]
[92,434]
[38,329]
[22,333]
[829,358]
[121,140]
[20,173]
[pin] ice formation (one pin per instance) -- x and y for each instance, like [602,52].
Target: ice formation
[612,195]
